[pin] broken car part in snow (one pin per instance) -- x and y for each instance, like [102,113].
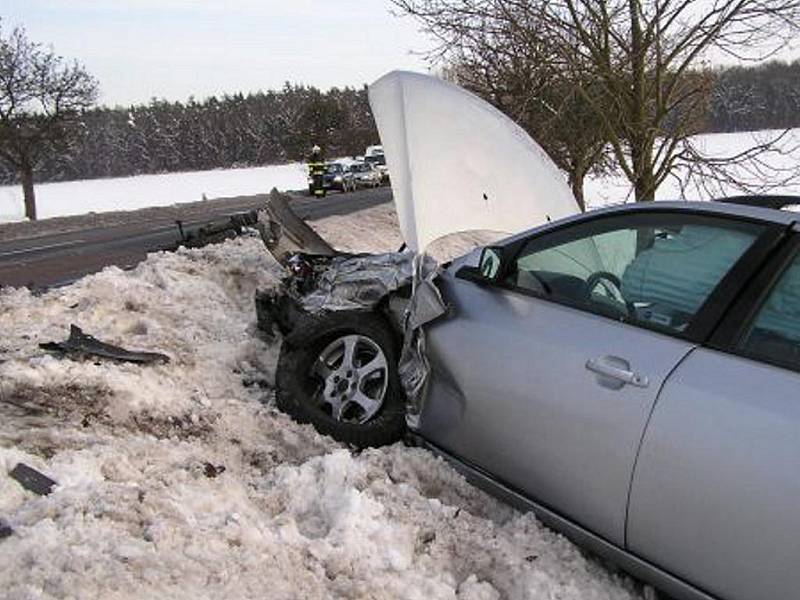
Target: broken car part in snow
[211,470]
[82,344]
[5,530]
[32,480]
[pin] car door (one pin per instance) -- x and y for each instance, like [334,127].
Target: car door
[716,488]
[547,379]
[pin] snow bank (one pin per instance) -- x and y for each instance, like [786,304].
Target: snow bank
[143,508]
[130,193]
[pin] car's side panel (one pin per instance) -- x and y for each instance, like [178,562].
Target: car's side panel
[716,487]
[510,393]
[642,570]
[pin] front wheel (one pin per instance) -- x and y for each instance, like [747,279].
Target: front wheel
[339,373]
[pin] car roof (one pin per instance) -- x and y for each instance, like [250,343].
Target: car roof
[741,211]
[746,211]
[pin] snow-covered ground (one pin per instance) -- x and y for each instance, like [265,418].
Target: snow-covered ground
[294,515]
[772,170]
[130,193]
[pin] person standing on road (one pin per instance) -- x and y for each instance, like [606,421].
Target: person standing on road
[316,172]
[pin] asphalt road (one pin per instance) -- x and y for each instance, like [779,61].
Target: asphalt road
[61,258]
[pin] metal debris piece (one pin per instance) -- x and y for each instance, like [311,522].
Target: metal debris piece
[5,530]
[211,471]
[285,234]
[215,232]
[79,343]
[32,480]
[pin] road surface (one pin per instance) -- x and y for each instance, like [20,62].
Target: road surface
[61,258]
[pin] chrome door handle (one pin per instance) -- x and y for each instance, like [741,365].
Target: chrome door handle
[618,370]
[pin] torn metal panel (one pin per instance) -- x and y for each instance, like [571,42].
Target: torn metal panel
[414,371]
[361,282]
[32,480]
[285,234]
[80,344]
[426,305]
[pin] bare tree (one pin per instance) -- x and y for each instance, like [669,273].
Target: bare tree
[506,58]
[641,62]
[517,77]
[41,98]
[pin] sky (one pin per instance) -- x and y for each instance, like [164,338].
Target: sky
[173,49]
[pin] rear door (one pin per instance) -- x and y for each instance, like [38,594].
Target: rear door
[548,380]
[716,489]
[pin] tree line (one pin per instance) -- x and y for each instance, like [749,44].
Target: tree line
[765,96]
[280,126]
[233,131]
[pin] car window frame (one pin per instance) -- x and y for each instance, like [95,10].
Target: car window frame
[744,311]
[713,310]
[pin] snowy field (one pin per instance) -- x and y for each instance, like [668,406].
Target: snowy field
[143,508]
[130,193]
[771,171]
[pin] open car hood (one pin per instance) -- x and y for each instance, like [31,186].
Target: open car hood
[458,164]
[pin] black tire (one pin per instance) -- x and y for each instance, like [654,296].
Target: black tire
[296,386]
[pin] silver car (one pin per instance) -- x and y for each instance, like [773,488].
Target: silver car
[631,375]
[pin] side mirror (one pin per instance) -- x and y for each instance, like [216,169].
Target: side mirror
[489,266]
[490,262]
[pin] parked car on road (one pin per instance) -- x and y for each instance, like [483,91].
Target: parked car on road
[630,375]
[365,175]
[338,177]
[378,162]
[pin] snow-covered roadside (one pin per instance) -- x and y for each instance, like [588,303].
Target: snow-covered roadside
[131,193]
[293,515]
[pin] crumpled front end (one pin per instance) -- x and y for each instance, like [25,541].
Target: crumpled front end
[399,285]
[317,284]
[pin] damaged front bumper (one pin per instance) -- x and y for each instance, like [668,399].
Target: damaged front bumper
[320,280]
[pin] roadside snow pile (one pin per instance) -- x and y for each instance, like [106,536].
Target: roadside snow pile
[179,480]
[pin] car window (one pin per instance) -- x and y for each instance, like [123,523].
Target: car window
[652,269]
[774,334]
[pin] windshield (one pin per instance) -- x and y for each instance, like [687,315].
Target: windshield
[333,168]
